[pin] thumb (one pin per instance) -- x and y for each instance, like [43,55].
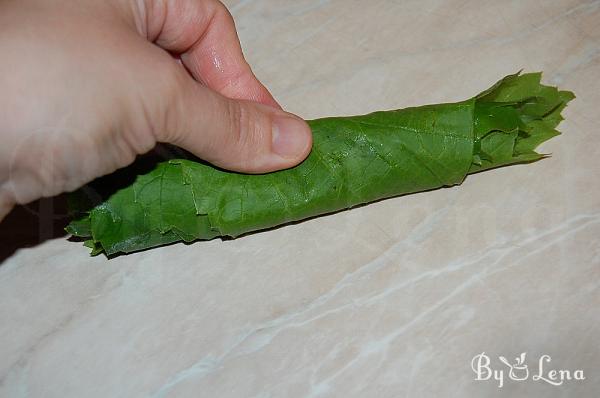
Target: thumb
[237,135]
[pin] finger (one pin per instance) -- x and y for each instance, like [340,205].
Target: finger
[233,134]
[203,34]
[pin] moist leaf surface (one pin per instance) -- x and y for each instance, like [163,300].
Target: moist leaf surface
[354,160]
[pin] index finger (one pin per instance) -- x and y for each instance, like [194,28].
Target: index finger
[203,33]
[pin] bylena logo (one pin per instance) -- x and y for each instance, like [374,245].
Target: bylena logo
[519,370]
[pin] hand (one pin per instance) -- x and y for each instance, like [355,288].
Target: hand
[86,86]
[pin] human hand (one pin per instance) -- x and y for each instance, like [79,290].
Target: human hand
[87,86]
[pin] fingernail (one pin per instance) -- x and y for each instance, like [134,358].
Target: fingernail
[289,137]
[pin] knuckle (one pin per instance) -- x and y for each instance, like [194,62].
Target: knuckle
[36,168]
[238,124]
[247,130]
[165,112]
[220,10]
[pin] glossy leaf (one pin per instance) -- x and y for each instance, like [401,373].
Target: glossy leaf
[354,160]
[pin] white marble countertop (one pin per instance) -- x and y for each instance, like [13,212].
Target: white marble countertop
[393,299]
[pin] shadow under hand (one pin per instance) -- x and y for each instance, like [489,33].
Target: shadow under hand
[32,224]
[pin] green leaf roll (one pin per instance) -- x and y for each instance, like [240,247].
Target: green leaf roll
[354,160]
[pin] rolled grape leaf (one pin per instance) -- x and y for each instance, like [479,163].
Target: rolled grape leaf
[354,160]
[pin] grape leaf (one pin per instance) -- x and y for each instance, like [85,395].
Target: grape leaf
[354,160]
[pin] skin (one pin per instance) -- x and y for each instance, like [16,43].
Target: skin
[88,85]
